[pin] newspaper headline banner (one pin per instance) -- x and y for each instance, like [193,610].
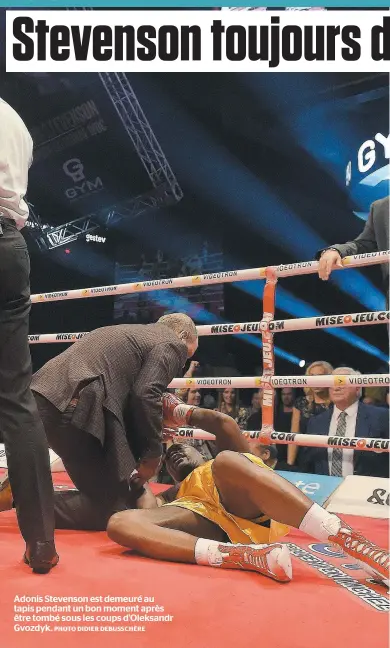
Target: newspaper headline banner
[313,440]
[225,5]
[229,276]
[278,382]
[202,41]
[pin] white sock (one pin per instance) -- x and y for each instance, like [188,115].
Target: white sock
[207,552]
[320,524]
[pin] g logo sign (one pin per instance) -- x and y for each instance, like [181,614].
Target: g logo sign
[74,169]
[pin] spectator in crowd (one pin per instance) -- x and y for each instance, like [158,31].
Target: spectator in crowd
[283,416]
[209,402]
[282,421]
[375,396]
[229,403]
[193,368]
[315,401]
[256,402]
[254,421]
[285,409]
[193,397]
[348,417]
[267,453]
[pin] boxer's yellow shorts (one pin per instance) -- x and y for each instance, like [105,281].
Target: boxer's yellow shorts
[198,493]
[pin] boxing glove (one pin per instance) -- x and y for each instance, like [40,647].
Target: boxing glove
[175,412]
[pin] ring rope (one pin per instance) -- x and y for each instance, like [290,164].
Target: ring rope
[288,438]
[268,382]
[278,382]
[237,328]
[289,270]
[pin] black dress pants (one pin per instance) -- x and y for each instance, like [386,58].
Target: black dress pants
[99,492]
[22,430]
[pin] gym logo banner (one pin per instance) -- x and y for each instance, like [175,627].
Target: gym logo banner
[82,186]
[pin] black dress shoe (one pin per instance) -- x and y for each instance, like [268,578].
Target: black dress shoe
[41,556]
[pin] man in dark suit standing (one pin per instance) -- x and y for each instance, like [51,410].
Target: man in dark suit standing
[374,238]
[22,430]
[101,404]
[348,417]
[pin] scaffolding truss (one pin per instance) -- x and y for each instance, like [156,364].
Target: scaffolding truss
[140,132]
[166,189]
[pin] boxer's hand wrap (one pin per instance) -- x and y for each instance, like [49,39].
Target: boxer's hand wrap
[175,412]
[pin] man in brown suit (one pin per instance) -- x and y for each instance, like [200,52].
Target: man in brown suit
[101,405]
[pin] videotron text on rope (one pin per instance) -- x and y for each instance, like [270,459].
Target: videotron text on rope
[85,41]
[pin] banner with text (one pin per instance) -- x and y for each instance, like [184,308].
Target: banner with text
[366,496]
[188,41]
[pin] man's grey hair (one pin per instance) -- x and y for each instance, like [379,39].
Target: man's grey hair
[181,324]
[348,371]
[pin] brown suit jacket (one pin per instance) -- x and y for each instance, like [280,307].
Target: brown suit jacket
[114,370]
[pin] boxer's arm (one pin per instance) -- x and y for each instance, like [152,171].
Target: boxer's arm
[147,500]
[227,433]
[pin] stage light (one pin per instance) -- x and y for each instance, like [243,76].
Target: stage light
[302,363]
[67,251]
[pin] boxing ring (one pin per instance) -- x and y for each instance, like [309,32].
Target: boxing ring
[330,602]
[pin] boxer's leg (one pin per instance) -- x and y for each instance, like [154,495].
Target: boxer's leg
[173,533]
[247,490]
[165,533]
